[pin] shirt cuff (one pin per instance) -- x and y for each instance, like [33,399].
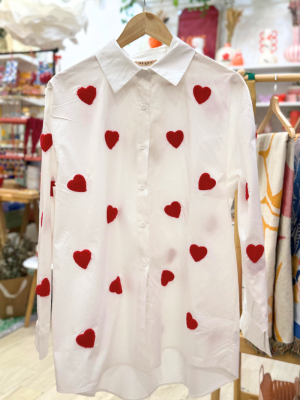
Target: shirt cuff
[41,342]
[253,332]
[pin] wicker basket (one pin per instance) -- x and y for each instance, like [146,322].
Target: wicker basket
[275,390]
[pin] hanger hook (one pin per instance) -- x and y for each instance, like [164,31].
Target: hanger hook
[144,8]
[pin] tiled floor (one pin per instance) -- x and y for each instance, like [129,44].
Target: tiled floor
[24,377]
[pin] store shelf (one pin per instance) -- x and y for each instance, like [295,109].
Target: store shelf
[274,68]
[31,100]
[19,157]
[281,104]
[15,121]
[26,63]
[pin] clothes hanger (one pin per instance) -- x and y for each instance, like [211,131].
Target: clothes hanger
[145,23]
[275,109]
[297,125]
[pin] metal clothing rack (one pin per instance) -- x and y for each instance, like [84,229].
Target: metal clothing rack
[54,51]
[245,348]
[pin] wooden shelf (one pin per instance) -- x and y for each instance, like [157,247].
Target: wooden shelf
[274,68]
[16,157]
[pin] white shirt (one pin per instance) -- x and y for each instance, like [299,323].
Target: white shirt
[146,162]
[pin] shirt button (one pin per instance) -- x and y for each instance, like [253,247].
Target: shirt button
[142,147]
[142,187]
[144,263]
[142,224]
[144,108]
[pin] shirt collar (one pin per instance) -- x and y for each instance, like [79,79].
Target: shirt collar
[119,67]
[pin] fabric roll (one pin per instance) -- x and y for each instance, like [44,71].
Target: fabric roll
[271,151]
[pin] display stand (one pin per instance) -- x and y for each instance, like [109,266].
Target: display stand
[245,348]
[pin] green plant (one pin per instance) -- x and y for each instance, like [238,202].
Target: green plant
[14,253]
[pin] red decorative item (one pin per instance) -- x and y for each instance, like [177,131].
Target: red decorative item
[112,213]
[193,24]
[173,210]
[153,43]
[255,252]
[202,94]
[191,323]
[51,188]
[43,289]
[77,184]
[166,277]
[246,190]
[198,252]
[175,138]
[86,339]
[111,138]
[87,95]
[46,141]
[206,182]
[45,77]
[115,286]
[82,258]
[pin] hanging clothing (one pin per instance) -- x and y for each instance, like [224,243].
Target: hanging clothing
[274,155]
[295,246]
[283,322]
[34,128]
[146,162]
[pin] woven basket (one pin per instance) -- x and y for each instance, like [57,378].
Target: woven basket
[275,390]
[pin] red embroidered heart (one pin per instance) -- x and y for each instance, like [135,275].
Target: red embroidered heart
[166,277]
[87,95]
[198,252]
[82,258]
[175,138]
[112,212]
[86,339]
[255,252]
[42,219]
[115,286]
[202,94]
[247,193]
[111,138]
[173,210]
[190,321]
[77,184]
[51,188]
[46,141]
[206,182]
[43,289]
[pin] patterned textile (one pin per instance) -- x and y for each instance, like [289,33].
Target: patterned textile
[283,325]
[271,151]
[295,246]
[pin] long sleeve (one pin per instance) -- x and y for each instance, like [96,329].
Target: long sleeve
[48,177]
[242,174]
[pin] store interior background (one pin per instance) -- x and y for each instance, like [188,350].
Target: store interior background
[22,375]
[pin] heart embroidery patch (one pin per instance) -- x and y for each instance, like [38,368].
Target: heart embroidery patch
[43,289]
[87,95]
[255,252]
[82,258]
[175,138]
[112,213]
[198,252]
[247,193]
[206,182]
[173,210]
[190,321]
[111,138]
[46,141]
[202,94]
[166,277]
[86,339]
[115,286]
[51,188]
[77,184]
